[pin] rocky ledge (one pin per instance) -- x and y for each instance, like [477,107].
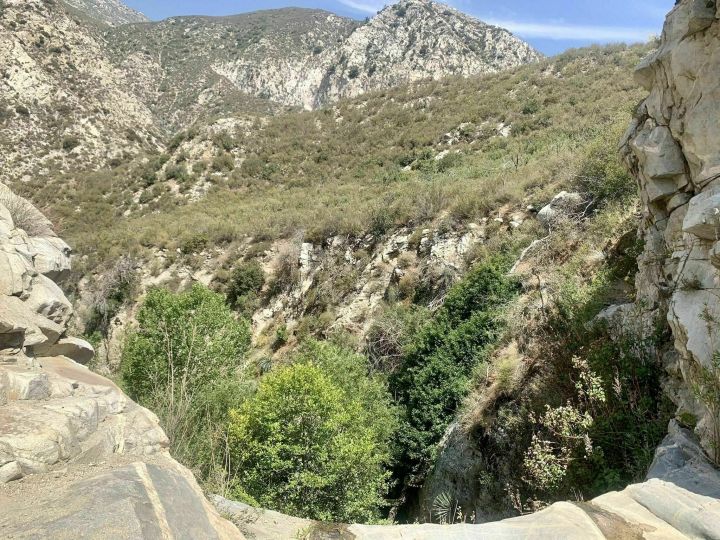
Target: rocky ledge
[78,458]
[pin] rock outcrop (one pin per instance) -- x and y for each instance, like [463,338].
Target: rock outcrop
[62,424]
[672,147]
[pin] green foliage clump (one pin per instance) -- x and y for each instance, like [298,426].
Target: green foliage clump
[601,173]
[245,284]
[223,162]
[313,440]
[185,363]
[706,389]
[436,369]
[177,171]
[69,143]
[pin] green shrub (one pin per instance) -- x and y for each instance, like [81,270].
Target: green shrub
[69,143]
[601,173]
[177,172]
[245,284]
[184,363]
[437,366]
[313,440]
[223,162]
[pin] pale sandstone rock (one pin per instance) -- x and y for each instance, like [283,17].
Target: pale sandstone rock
[23,327]
[703,215]
[562,206]
[48,300]
[673,140]
[74,348]
[51,257]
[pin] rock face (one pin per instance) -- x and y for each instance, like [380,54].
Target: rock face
[680,500]
[61,423]
[672,147]
[419,39]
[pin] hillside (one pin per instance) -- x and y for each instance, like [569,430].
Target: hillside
[84,90]
[110,12]
[63,106]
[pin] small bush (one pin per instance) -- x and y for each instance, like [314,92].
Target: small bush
[244,287]
[223,162]
[177,172]
[69,143]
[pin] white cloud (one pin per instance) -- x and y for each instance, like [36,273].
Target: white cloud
[371,8]
[575,32]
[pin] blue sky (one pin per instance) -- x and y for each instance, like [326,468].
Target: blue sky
[551,26]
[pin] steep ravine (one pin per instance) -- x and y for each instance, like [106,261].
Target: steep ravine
[79,459]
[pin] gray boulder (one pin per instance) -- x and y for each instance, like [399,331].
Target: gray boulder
[562,206]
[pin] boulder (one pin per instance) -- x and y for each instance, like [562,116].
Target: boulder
[51,257]
[48,300]
[9,472]
[20,326]
[17,271]
[703,215]
[6,221]
[74,348]
[562,206]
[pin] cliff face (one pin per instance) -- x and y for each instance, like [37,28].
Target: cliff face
[71,443]
[672,147]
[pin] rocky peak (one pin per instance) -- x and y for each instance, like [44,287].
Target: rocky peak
[110,12]
[309,58]
[420,39]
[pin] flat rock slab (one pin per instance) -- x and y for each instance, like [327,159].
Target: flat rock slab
[149,501]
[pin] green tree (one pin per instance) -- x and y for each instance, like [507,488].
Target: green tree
[185,363]
[313,442]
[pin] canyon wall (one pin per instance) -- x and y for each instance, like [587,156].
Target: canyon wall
[673,148]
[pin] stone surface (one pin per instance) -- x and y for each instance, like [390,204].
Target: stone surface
[138,500]
[47,299]
[672,148]
[74,348]
[59,421]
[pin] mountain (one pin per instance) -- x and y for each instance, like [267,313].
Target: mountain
[81,89]
[110,12]
[190,68]
[309,58]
